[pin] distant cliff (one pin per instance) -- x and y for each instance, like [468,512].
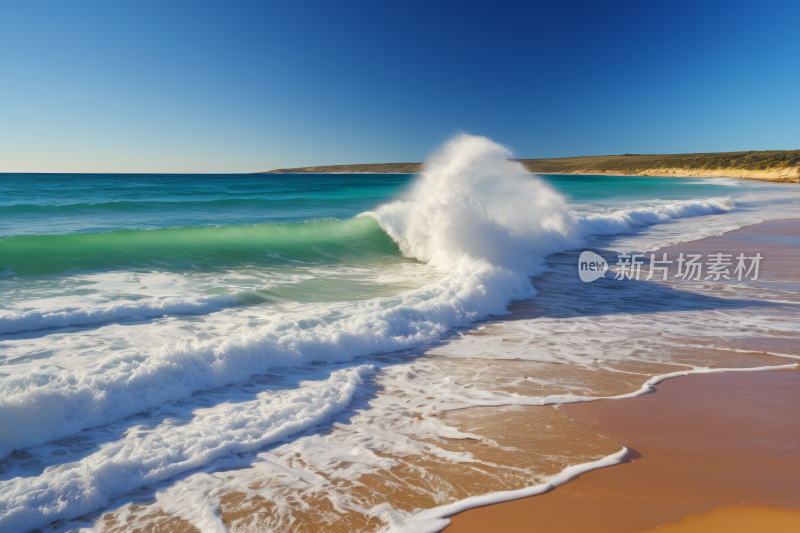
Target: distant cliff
[772,165]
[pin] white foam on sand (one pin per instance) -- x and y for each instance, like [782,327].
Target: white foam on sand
[472,214]
[150,455]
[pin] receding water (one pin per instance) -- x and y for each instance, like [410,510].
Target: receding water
[154,325]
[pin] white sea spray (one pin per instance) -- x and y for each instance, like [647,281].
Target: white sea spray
[476,216]
[146,456]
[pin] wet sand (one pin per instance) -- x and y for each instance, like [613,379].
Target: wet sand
[712,452]
[700,442]
[598,349]
[741,519]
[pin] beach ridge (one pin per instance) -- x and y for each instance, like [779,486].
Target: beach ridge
[779,166]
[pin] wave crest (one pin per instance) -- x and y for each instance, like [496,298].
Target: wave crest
[472,202]
[472,213]
[34,320]
[627,220]
[263,243]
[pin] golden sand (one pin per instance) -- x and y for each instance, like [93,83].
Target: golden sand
[717,452]
[700,442]
[521,446]
[741,519]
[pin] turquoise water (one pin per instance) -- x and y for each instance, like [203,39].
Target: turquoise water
[49,223]
[630,188]
[78,243]
[33,204]
[53,224]
[262,238]
[131,303]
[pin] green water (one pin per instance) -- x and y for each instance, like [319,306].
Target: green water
[57,223]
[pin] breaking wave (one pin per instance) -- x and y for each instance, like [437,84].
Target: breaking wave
[143,458]
[472,213]
[34,320]
[313,241]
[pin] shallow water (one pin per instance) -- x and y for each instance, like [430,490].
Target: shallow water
[157,332]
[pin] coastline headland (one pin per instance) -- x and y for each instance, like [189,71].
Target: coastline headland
[780,166]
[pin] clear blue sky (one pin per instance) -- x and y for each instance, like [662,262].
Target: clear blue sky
[233,86]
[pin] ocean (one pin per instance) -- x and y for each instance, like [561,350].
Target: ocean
[183,343]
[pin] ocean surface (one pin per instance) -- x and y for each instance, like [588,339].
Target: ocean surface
[156,330]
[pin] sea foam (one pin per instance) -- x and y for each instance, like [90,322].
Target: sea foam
[146,456]
[472,213]
[33,320]
[472,203]
[628,220]
[470,181]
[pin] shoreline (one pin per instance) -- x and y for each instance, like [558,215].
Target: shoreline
[666,173]
[667,475]
[517,515]
[528,446]
[768,177]
[481,513]
[776,166]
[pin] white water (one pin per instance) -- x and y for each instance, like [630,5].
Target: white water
[33,320]
[472,203]
[473,215]
[469,215]
[145,456]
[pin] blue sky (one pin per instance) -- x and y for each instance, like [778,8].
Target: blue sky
[232,86]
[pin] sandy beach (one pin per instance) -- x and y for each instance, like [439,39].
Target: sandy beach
[391,368]
[705,447]
[725,441]
[788,175]
[333,268]
[777,166]
[715,452]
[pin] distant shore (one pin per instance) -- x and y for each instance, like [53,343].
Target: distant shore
[779,166]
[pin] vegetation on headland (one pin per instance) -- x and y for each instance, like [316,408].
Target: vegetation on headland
[770,165]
